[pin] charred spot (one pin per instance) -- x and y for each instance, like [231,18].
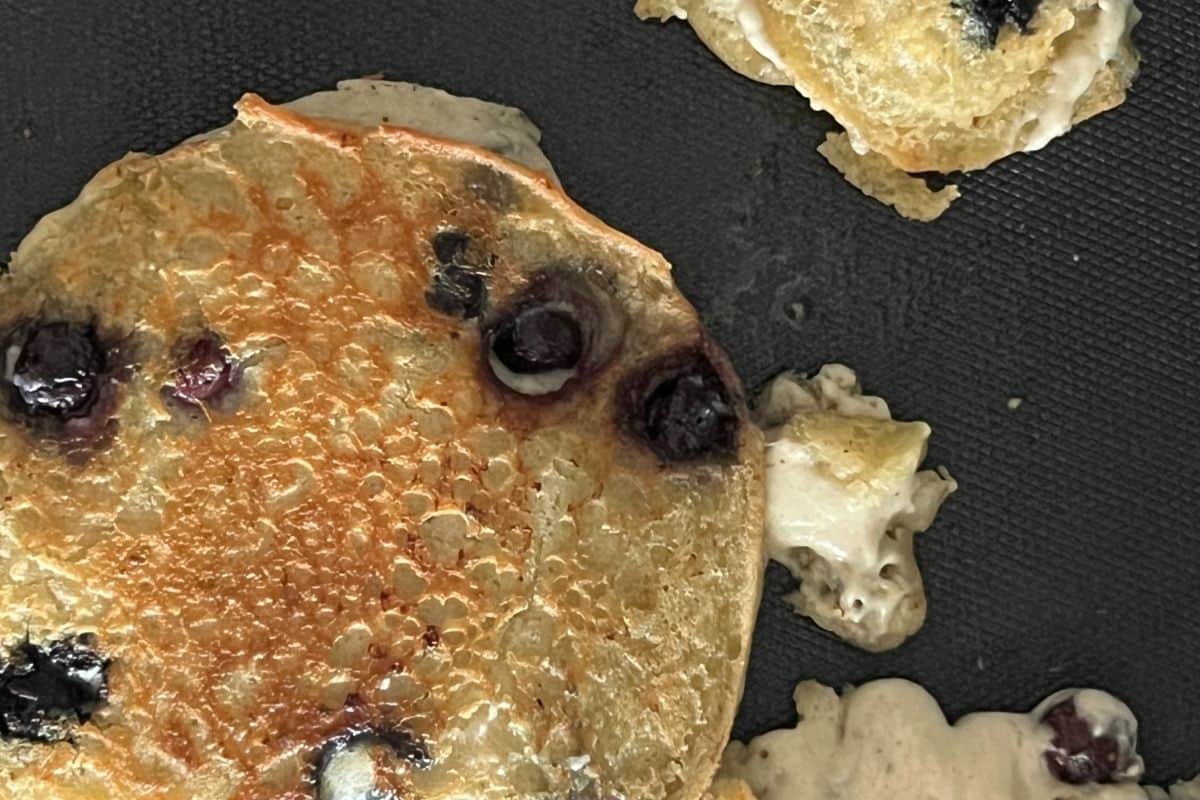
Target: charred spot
[457,292]
[205,370]
[451,246]
[349,754]
[1086,751]
[992,15]
[563,325]
[681,408]
[45,689]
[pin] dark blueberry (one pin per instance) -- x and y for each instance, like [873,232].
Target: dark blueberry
[205,370]
[449,246]
[43,689]
[684,411]
[538,339]
[458,292]
[1079,755]
[54,370]
[431,637]
[992,15]
[379,745]
[563,325]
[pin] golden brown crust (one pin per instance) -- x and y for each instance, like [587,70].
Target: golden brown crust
[910,81]
[268,576]
[729,789]
[895,96]
[874,176]
[1110,87]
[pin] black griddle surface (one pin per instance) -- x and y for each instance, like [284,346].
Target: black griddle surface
[1069,278]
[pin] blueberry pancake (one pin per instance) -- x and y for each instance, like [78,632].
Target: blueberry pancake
[346,462]
[928,85]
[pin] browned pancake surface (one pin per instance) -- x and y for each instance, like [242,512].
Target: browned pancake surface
[368,530]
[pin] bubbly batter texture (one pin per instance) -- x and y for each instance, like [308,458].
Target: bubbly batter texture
[276,526]
[928,85]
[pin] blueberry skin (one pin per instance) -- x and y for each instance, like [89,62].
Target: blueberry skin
[46,688]
[56,371]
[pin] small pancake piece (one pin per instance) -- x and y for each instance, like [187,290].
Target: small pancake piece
[344,461]
[889,740]
[927,85]
[914,81]
[874,176]
[845,500]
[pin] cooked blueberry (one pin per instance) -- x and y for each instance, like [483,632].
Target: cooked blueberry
[684,411]
[348,766]
[458,292]
[539,339]
[43,689]
[205,370]
[1096,748]
[431,637]
[53,370]
[449,246]
[992,15]
[565,323]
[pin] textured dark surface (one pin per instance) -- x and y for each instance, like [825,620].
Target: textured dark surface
[1069,278]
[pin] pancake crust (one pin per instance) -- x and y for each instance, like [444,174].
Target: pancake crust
[926,85]
[370,532]
[874,176]
[908,81]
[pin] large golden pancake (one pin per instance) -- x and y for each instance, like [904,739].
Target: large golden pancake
[338,460]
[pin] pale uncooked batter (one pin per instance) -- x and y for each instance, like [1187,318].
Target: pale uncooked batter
[888,740]
[845,497]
